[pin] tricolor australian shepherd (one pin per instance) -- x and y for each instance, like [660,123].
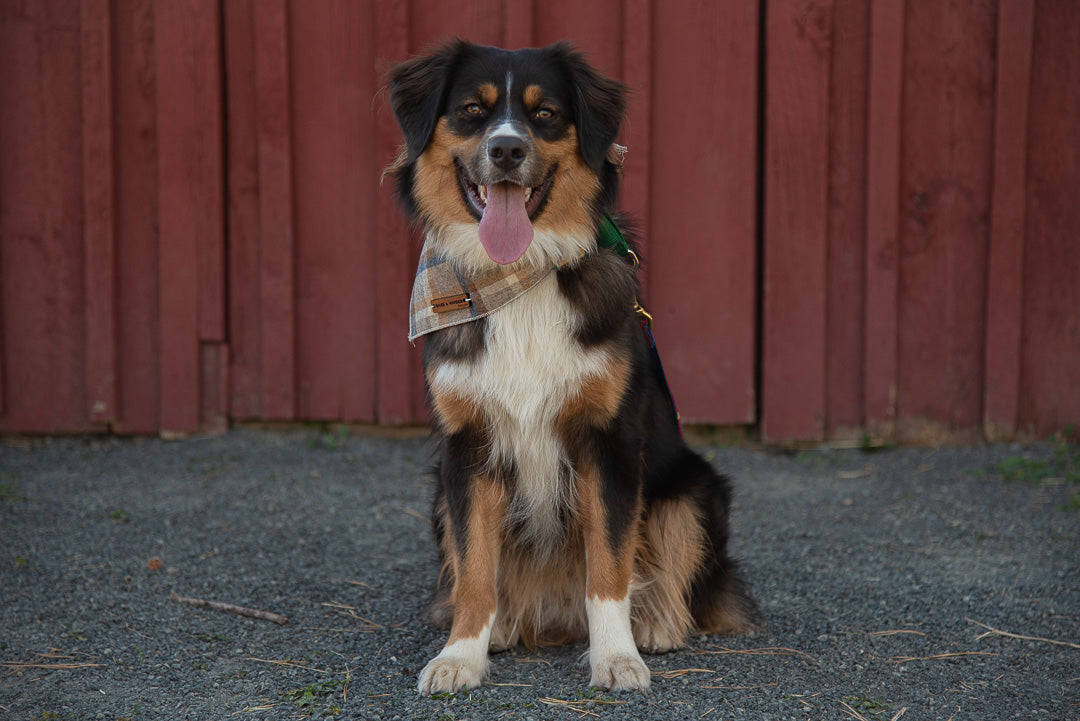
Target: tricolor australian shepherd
[567,505]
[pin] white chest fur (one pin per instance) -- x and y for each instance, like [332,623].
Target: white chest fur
[531,367]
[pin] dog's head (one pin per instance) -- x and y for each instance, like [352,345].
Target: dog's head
[508,155]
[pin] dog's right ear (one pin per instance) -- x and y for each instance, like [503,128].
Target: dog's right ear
[418,92]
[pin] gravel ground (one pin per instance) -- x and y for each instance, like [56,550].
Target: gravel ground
[878,574]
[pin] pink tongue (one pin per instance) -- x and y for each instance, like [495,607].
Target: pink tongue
[505,230]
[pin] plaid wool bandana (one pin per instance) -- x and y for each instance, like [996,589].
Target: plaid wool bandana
[442,296]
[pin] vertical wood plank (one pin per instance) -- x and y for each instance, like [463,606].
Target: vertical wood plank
[1050,357]
[703,161]
[99,204]
[796,219]
[22,359]
[41,256]
[191,269]
[592,27]
[334,192]
[138,266]
[1005,293]
[395,365]
[947,136]
[61,206]
[178,242]
[883,212]
[432,22]
[519,21]
[242,195]
[847,220]
[273,130]
[213,387]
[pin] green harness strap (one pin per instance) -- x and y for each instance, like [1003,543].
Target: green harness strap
[609,237]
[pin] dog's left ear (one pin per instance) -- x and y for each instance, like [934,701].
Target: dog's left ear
[599,104]
[417,93]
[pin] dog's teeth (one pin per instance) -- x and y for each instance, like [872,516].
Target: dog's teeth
[528,194]
[483,193]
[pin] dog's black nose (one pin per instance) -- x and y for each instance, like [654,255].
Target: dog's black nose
[507,151]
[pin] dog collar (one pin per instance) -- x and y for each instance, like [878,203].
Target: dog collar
[610,237]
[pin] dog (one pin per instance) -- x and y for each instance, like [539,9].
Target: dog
[567,505]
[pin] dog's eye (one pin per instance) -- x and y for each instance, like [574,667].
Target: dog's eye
[473,109]
[544,114]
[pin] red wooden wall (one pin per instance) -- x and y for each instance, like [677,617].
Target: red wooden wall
[920,270]
[858,215]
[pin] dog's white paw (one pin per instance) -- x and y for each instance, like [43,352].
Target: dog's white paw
[620,672]
[450,673]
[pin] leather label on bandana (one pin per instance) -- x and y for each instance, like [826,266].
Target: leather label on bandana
[459,301]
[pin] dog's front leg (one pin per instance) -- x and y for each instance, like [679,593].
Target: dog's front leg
[475,530]
[610,533]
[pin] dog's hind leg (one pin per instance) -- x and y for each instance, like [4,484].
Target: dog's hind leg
[670,556]
[720,599]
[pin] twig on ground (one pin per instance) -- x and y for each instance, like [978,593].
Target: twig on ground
[533,660]
[764,651]
[679,672]
[578,707]
[940,656]
[291,664]
[852,712]
[55,666]
[232,608]
[17,666]
[991,631]
[417,514]
[269,706]
[348,677]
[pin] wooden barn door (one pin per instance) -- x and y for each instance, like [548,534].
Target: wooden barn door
[321,263]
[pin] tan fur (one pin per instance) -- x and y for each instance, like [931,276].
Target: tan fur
[725,618]
[533,96]
[541,602]
[597,401]
[608,569]
[436,190]
[672,550]
[454,411]
[475,594]
[488,94]
[568,208]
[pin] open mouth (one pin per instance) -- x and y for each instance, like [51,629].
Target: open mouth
[477,195]
[505,210]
